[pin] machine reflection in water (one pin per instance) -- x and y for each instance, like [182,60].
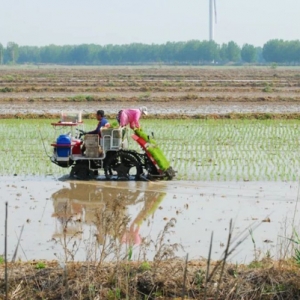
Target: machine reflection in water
[102,220]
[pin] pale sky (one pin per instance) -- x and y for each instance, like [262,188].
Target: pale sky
[61,22]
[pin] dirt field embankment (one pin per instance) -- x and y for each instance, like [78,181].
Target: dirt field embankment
[159,280]
[178,116]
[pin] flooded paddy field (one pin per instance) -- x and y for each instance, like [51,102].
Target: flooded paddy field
[70,220]
[244,170]
[206,150]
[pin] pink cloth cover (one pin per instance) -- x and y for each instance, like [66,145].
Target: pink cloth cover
[131,117]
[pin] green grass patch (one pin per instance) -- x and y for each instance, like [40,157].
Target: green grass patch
[145,266]
[6,90]
[40,265]
[267,89]
[81,98]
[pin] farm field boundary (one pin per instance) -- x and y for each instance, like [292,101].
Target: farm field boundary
[162,116]
[168,280]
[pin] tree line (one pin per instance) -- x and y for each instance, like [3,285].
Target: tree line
[190,52]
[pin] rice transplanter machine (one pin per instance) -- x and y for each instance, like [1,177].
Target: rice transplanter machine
[88,154]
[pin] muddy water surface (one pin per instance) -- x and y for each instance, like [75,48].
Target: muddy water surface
[82,216]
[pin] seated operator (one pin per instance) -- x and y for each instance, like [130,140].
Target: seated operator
[102,123]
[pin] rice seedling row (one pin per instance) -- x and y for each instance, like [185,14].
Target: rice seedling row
[197,149]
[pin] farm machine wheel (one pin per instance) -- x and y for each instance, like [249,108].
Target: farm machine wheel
[123,166]
[81,171]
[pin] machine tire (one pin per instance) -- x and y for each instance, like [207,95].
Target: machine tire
[80,171]
[120,165]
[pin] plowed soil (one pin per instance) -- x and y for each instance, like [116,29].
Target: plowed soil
[184,90]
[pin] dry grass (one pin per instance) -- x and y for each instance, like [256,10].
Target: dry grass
[135,280]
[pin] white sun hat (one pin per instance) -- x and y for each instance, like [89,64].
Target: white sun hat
[144,110]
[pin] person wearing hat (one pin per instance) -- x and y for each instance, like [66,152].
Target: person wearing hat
[131,117]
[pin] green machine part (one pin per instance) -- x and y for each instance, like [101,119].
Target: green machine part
[154,150]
